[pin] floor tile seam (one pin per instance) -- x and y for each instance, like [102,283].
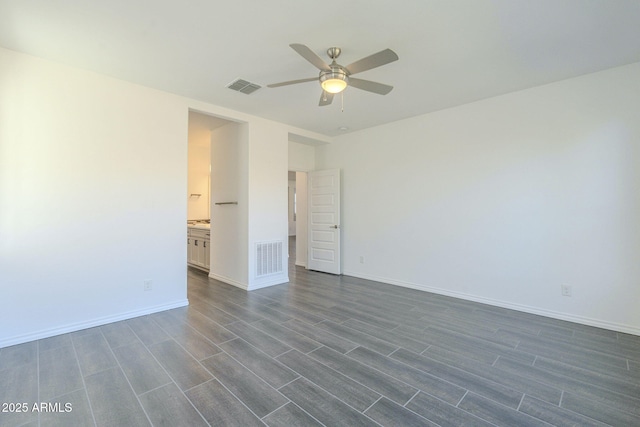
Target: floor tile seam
[113,354]
[587,416]
[280,312]
[214,320]
[594,398]
[568,379]
[384,330]
[191,403]
[579,361]
[412,397]
[607,351]
[589,372]
[225,312]
[458,353]
[336,397]
[458,327]
[458,407]
[363,385]
[369,335]
[156,388]
[199,362]
[231,303]
[376,401]
[299,407]
[38,377]
[84,385]
[495,361]
[339,373]
[499,404]
[401,380]
[464,386]
[252,371]
[229,391]
[568,384]
[278,408]
[392,316]
[122,345]
[184,392]
[313,339]
[171,336]
[377,318]
[284,343]
[298,377]
[522,399]
[245,367]
[295,317]
[573,350]
[558,351]
[402,335]
[265,333]
[475,340]
[218,325]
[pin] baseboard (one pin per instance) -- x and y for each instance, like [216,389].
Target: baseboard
[73,327]
[613,326]
[278,280]
[228,281]
[301,264]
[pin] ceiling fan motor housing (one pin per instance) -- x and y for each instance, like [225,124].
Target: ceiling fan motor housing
[337,72]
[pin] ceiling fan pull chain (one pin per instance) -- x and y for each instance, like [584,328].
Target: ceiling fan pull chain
[342,98]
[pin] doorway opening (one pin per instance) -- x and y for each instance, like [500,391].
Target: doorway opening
[297,188]
[200,127]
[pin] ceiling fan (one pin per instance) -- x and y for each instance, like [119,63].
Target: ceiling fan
[334,78]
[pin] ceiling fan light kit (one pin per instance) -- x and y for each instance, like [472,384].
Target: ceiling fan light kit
[334,78]
[334,81]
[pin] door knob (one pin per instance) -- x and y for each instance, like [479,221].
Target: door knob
[334,226]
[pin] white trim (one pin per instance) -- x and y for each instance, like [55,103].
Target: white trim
[618,327]
[274,281]
[228,281]
[73,327]
[301,264]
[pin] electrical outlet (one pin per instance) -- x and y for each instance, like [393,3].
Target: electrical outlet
[565,290]
[361,259]
[148,285]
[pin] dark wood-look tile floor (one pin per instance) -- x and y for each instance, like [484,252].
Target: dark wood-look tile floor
[325,350]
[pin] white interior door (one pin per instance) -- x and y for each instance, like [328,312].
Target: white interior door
[323,253]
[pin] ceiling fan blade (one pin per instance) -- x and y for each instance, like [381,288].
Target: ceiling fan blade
[293,82]
[326,98]
[370,86]
[372,61]
[310,56]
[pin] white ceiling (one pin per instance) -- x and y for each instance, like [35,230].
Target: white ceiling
[451,52]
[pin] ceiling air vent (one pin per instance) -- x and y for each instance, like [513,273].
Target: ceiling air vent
[244,86]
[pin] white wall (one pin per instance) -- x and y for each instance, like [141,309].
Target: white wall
[301,160]
[229,223]
[92,199]
[301,157]
[292,207]
[504,200]
[302,221]
[268,177]
[93,184]
[198,172]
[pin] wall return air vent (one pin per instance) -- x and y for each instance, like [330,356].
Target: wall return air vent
[243,86]
[268,258]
